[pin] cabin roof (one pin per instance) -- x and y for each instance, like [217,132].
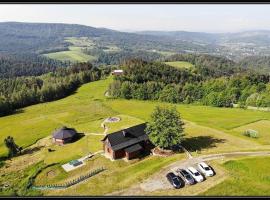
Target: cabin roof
[133,148]
[133,135]
[64,133]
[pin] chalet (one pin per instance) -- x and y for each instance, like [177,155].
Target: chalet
[64,135]
[117,72]
[128,143]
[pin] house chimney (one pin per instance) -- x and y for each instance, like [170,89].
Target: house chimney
[124,133]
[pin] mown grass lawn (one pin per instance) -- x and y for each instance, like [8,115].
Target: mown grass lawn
[248,177]
[119,175]
[221,118]
[262,127]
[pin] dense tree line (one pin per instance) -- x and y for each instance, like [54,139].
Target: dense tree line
[15,65]
[118,57]
[139,71]
[208,65]
[256,63]
[157,81]
[23,91]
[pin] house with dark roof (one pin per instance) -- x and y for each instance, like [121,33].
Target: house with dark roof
[128,143]
[117,72]
[64,135]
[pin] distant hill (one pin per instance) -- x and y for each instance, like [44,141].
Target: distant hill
[197,37]
[44,37]
[231,45]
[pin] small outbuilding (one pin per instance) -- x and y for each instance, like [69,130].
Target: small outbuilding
[117,72]
[64,135]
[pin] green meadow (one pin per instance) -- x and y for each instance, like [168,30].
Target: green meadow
[248,177]
[207,129]
[73,54]
[88,107]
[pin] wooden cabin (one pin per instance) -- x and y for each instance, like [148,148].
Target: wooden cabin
[128,143]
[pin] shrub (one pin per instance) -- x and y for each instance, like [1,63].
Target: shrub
[251,133]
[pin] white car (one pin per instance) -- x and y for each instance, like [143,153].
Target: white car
[195,174]
[205,169]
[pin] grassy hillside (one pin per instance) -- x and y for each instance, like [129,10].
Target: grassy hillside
[207,129]
[86,109]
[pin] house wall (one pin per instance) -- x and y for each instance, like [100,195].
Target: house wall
[132,155]
[119,154]
[107,149]
[58,141]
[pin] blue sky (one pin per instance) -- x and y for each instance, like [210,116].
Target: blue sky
[138,17]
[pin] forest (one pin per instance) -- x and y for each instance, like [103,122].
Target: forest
[158,81]
[19,92]
[16,65]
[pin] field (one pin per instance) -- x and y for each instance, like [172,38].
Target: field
[74,53]
[180,64]
[207,129]
[248,177]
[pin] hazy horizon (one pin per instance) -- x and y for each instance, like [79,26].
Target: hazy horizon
[209,18]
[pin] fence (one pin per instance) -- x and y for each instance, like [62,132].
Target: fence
[70,183]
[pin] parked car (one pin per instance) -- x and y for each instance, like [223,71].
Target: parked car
[195,174]
[205,169]
[186,176]
[174,180]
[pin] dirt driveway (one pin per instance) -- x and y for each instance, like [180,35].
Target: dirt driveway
[158,182]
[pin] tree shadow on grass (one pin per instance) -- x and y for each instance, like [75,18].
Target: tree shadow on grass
[201,142]
[31,150]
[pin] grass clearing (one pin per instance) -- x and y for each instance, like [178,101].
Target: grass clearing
[74,54]
[180,64]
[248,177]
